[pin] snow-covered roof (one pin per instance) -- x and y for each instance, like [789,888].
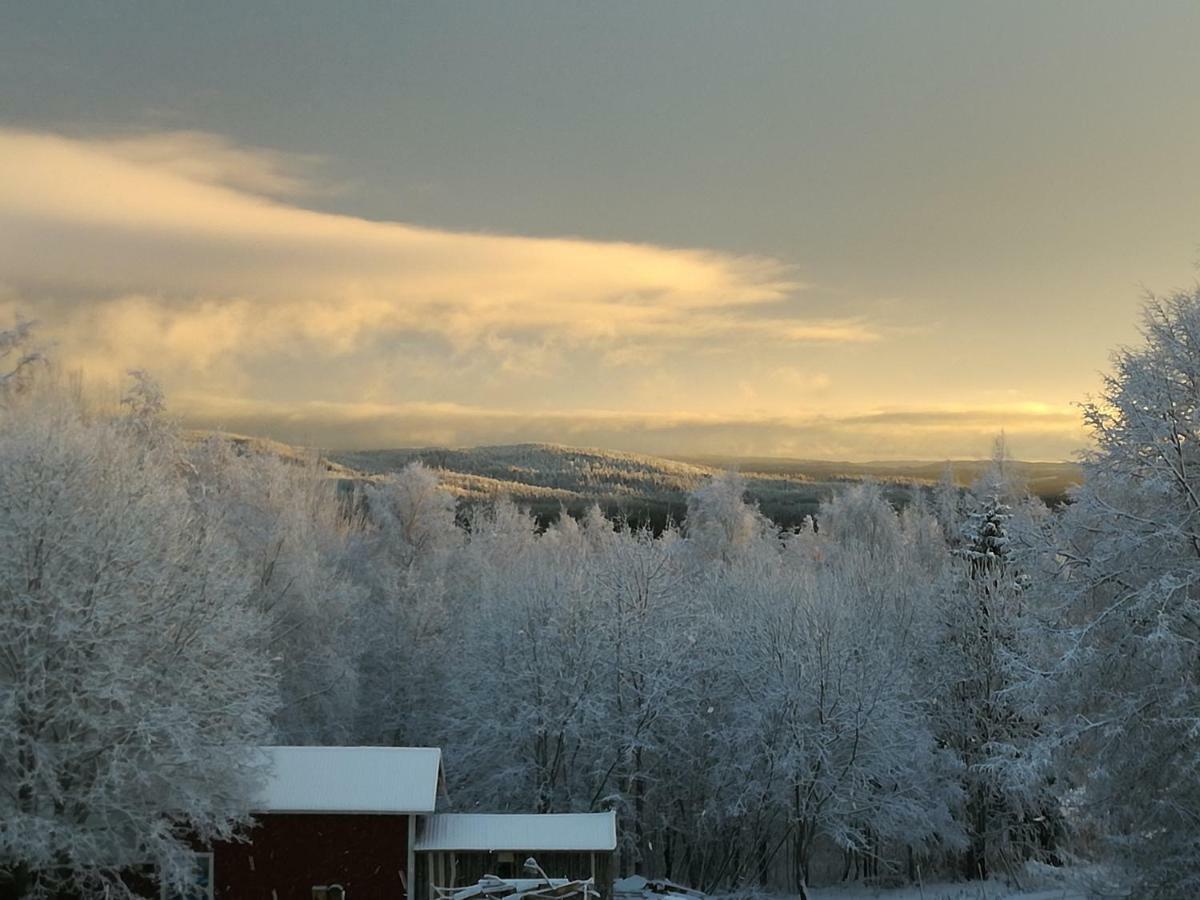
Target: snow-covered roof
[503,831]
[351,780]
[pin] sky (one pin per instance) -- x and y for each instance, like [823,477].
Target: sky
[844,230]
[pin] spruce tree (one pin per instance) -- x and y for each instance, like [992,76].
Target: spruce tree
[989,712]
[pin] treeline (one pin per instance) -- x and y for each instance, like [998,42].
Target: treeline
[964,686]
[647,490]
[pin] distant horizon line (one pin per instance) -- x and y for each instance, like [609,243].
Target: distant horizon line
[704,458]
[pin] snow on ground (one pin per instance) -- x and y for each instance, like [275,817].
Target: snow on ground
[989,890]
[1055,886]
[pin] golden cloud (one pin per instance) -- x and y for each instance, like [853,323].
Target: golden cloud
[178,249]
[190,255]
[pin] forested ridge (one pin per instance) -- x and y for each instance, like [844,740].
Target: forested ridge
[959,684]
[649,490]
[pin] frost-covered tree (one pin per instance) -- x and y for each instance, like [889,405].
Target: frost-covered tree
[284,519]
[18,357]
[720,522]
[528,656]
[409,545]
[133,678]
[820,739]
[869,769]
[984,679]
[414,514]
[648,636]
[1131,544]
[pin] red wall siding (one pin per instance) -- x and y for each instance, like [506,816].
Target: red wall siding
[289,854]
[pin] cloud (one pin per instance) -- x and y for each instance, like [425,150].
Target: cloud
[180,248]
[213,159]
[194,257]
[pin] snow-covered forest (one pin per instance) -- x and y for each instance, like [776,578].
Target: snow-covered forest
[641,489]
[952,688]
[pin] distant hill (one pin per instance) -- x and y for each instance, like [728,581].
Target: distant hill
[1048,480]
[550,477]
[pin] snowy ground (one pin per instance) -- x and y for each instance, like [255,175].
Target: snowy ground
[960,891]
[1040,885]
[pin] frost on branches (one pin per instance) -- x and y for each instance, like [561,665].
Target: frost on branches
[287,532]
[132,680]
[1131,544]
[829,724]
[962,685]
[988,703]
[18,358]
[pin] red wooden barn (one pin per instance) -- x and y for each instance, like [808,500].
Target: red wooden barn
[328,818]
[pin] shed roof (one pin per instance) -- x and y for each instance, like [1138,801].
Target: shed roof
[351,780]
[504,831]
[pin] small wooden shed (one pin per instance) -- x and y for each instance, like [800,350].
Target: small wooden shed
[457,849]
[330,822]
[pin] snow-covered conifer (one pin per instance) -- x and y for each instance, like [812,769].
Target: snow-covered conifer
[986,688]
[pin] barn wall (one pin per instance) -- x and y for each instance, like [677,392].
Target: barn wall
[289,854]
